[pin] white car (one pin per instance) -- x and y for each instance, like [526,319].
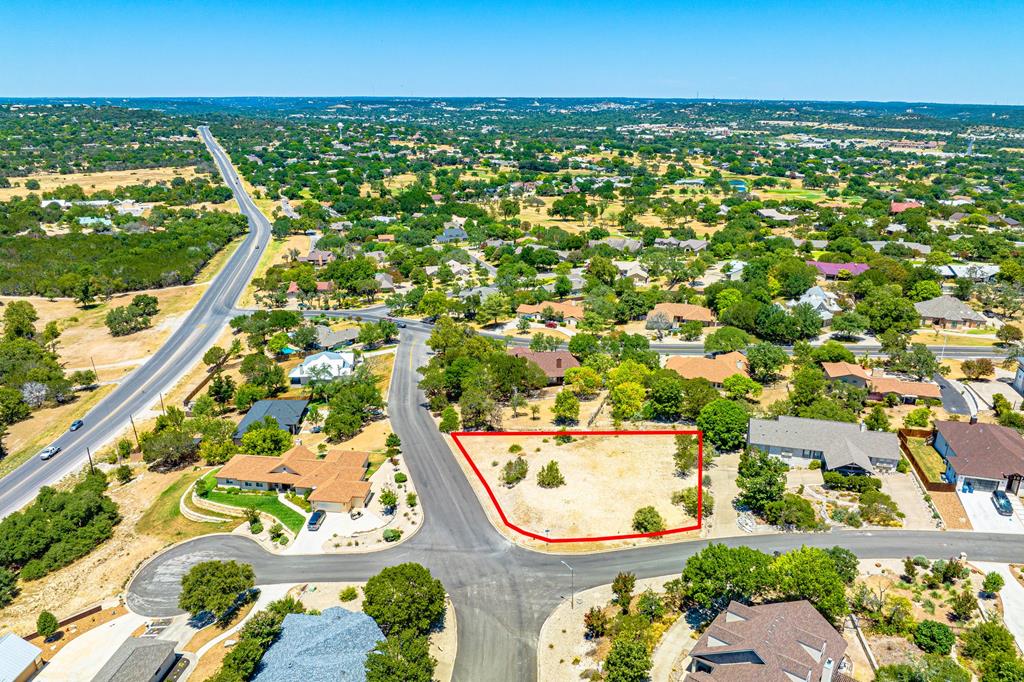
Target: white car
[49,452]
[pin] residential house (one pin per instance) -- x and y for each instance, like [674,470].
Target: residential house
[783,642]
[384,281]
[576,281]
[920,249]
[451,234]
[318,257]
[716,369]
[483,292]
[553,363]
[336,482]
[458,269]
[293,291]
[332,645]
[680,313]
[139,659]
[825,303]
[19,660]
[376,256]
[617,243]
[330,339]
[569,313]
[881,386]
[839,446]
[385,219]
[976,272]
[897,207]
[341,225]
[777,216]
[385,238]
[287,413]
[948,311]
[980,457]
[688,245]
[1018,377]
[323,366]
[632,270]
[833,270]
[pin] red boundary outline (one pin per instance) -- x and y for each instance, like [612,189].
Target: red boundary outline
[522,531]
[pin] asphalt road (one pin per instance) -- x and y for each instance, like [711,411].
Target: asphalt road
[141,389]
[502,593]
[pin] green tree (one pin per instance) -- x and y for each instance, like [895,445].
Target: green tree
[934,637]
[726,339]
[765,360]
[567,407]
[214,586]
[718,574]
[627,400]
[622,588]
[550,476]
[986,640]
[993,583]
[810,573]
[648,520]
[628,661]
[8,586]
[724,423]
[761,479]
[741,387]
[449,420]
[686,453]
[404,597]
[403,656]
[266,438]
[46,624]
[877,419]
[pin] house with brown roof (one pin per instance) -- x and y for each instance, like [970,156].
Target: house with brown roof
[716,369]
[569,313]
[983,457]
[322,288]
[680,313]
[780,642]
[879,387]
[334,483]
[553,363]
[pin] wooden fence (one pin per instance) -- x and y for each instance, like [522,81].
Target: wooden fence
[930,486]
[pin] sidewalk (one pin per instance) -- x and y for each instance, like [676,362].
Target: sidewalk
[1012,595]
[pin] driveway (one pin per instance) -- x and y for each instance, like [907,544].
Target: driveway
[335,524]
[953,400]
[1012,595]
[904,491]
[984,517]
[83,657]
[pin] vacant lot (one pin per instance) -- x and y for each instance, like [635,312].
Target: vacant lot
[623,473]
[94,182]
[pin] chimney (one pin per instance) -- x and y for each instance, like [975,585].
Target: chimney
[827,670]
[558,363]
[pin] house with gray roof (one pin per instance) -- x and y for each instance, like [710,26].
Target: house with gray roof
[839,446]
[976,272]
[331,647]
[329,339]
[451,234]
[139,659]
[825,303]
[287,413]
[948,311]
[19,660]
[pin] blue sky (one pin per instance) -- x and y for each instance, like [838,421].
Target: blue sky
[828,49]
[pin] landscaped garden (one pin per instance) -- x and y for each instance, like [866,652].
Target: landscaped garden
[264,501]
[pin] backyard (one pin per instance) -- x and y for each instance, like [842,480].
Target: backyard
[928,459]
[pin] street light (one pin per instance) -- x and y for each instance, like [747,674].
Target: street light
[572,578]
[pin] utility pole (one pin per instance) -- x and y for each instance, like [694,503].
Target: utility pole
[94,367]
[89,454]
[162,408]
[136,432]
[572,579]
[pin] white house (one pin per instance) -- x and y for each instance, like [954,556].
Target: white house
[323,367]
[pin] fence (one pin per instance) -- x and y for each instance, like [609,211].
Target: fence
[930,486]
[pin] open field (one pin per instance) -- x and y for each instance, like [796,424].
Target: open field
[629,472]
[95,182]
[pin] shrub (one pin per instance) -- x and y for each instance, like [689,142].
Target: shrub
[46,624]
[963,605]
[903,466]
[595,623]
[123,473]
[627,661]
[411,500]
[986,640]
[791,511]
[392,535]
[650,606]
[687,497]
[934,637]
[648,520]
[256,527]
[878,508]
[514,471]
[993,583]
[856,484]
[400,477]
[8,587]
[449,420]
[814,465]
[276,532]
[549,476]
[622,588]
[348,594]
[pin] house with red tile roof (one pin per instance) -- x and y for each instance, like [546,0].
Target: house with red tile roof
[569,313]
[716,369]
[833,270]
[553,363]
[896,207]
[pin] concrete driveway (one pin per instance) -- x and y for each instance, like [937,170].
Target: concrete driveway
[83,657]
[336,524]
[984,517]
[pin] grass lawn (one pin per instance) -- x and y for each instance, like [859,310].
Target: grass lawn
[268,504]
[928,458]
[376,460]
[951,339]
[163,519]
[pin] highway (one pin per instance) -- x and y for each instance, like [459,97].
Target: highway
[502,593]
[141,389]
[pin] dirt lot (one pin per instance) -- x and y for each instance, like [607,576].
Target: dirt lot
[633,470]
[146,526]
[94,182]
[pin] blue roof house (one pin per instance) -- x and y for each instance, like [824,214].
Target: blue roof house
[329,647]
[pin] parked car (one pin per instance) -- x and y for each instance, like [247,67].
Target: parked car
[49,452]
[1002,503]
[355,514]
[77,424]
[551,324]
[316,520]
[401,325]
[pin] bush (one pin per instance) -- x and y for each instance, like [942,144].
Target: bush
[123,473]
[903,466]
[255,527]
[46,624]
[648,520]
[934,637]
[986,640]
[449,420]
[814,465]
[411,500]
[855,484]
[595,623]
[214,586]
[400,477]
[792,511]
[514,471]
[348,594]
[549,476]
[878,508]
[8,587]
[627,661]
[392,535]
[993,583]
[687,497]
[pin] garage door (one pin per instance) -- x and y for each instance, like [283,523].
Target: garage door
[982,485]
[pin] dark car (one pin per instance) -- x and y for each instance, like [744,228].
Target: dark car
[1002,503]
[77,424]
[401,325]
[316,520]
